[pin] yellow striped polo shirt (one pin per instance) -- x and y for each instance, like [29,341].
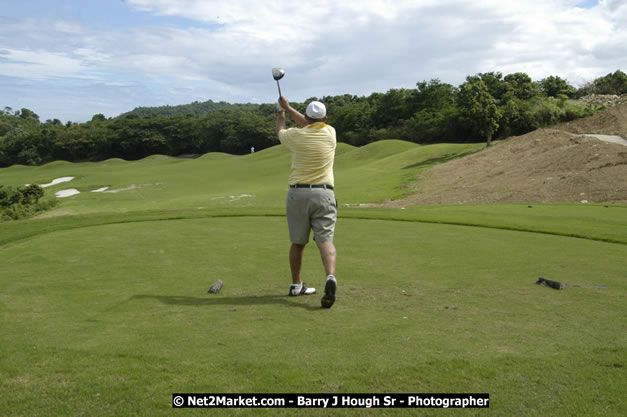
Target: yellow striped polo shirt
[313,152]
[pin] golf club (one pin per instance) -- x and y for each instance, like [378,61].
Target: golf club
[277,74]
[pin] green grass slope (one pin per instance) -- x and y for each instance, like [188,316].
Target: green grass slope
[366,174]
[381,169]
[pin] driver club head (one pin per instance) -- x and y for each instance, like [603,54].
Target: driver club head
[278,73]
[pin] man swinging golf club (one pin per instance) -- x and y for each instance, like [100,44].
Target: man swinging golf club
[311,203]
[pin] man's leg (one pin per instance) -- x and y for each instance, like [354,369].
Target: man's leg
[296,261]
[299,227]
[328,255]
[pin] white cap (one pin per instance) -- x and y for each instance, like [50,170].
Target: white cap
[316,110]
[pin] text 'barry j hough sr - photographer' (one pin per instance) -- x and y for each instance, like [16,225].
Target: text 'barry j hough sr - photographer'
[330,400]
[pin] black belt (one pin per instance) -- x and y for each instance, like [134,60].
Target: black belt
[326,187]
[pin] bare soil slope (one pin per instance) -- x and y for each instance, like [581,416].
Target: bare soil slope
[547,165]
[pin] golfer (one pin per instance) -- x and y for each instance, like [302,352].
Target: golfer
[311,203]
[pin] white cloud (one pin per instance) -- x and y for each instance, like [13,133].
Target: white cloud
[224,49]
[39,64]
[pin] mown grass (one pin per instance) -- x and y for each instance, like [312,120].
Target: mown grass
[218,181]
[106,312]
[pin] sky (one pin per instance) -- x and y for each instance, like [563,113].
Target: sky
[72,59]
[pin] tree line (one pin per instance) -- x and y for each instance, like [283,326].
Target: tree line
[486,106]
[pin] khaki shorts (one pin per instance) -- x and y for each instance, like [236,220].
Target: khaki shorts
[311,209]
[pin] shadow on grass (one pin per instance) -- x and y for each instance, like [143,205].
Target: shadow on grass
[228,301]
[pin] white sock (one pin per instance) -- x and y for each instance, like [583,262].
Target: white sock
[331,277]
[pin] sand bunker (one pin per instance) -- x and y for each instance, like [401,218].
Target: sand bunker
[238,197]
[63,193]
[234,197]
[129,188]
[57,181]
[74,191]
[67,193]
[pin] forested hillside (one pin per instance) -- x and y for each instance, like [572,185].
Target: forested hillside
[485,106]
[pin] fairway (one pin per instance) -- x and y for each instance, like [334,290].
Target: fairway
[106,312]
[221,181]
[120,315]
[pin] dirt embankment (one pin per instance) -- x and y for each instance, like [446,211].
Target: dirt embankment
[547,165]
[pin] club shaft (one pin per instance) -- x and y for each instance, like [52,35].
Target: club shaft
[279,86]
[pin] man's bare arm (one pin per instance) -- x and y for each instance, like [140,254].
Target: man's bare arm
[298,118]
[280,122]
